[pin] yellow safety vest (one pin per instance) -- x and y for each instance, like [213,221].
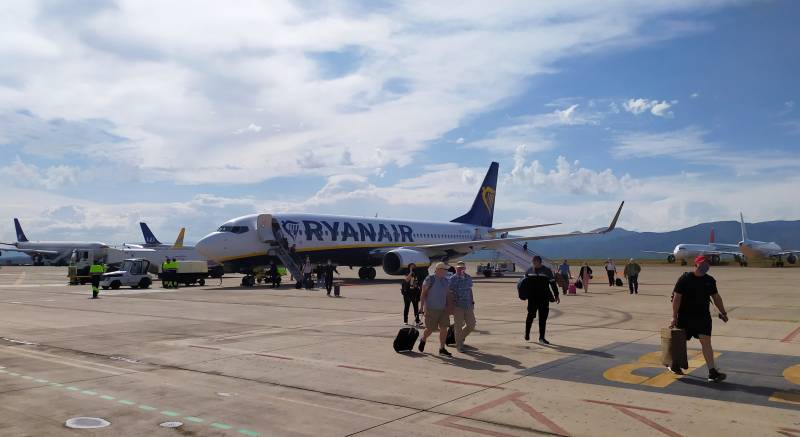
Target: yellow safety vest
[96,269]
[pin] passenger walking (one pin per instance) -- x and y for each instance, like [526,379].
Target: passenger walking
[631,272]
[327,271]
[410,291]
[690,311]
[611,271]
[433,303]
[307,269]
[525,247]
[566,275]
[464,311]
[540,288]
[96,271]
[585,275]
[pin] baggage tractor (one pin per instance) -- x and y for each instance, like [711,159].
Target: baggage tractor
[405,339]
[673,348]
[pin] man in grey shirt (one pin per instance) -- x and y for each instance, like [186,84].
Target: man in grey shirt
[433,303]
[464,312]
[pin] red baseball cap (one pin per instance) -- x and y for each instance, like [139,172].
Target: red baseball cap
[700,259]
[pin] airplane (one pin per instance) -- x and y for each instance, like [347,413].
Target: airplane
[151,242]
[684,252]
[753,249]
[251,241]
[49,252]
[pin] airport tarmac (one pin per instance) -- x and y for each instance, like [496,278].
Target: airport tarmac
[261,362]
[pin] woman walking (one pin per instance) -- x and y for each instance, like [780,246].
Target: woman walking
[411,293]
[585,275]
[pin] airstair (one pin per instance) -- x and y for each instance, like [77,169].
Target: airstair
[271,234]
[520,256]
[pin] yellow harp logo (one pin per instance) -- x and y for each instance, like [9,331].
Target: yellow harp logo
[487,194]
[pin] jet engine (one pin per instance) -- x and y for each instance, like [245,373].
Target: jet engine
[396,262]
[791,259]
[670,259]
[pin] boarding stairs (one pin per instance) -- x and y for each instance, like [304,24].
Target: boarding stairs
[277,249]
[521,257]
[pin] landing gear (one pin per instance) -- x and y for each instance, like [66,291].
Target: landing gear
[714,260]
[670,259]
[367,273]
[248,281]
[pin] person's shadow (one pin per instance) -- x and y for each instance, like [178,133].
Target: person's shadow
[495,360]
[577,351]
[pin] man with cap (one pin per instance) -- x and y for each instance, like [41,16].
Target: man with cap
[539,285]
[433,302]
[690,311]
[464,312]
[631,273]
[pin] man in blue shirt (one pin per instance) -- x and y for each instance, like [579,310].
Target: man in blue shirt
[433,302]
[563,270]
[464,312]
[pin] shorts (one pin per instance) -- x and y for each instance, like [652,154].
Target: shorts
[437,318]
[695,326]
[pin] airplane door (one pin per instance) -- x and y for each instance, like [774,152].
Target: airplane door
[264,223]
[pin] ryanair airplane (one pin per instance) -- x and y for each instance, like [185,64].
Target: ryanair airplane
[254,240]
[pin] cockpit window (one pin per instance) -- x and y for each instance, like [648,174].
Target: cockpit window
[233,229]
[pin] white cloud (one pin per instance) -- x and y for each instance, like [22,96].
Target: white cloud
[460,140]
[659,109]
[250,128]
[694,95]
[789,104]
[176,87]
[29,175]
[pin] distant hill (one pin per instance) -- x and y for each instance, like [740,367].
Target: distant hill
[622,243]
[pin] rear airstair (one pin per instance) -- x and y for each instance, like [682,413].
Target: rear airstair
[521,257]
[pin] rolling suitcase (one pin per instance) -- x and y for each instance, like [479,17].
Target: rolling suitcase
[673,348]
[618,282]
[572,289]
[405,339]
[337,288]
[451,335]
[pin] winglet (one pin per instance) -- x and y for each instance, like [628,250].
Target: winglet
[20,235]
[614,222]
[744,228]
[179,241]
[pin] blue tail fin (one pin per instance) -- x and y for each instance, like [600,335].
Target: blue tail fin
[482,210]
[149,238]
[20,235]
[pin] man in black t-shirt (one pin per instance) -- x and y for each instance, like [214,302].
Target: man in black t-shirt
[690,312]
[539,285]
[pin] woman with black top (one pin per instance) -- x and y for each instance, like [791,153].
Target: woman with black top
[411,293]
[585,275]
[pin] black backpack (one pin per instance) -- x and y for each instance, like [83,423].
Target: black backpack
[522,289]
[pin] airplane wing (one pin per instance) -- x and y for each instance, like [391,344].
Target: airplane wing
[731,246]
[519,228]
[787,253]
[660,253]
[467,246]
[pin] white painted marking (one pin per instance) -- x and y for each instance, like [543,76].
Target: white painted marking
[88,365]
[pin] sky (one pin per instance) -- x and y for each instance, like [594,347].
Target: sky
[188,113]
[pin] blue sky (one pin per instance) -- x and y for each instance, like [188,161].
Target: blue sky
[687,110]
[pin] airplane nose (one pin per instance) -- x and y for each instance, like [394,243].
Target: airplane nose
[206,246]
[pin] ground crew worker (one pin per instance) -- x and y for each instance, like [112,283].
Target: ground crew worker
[538,283]
[164,278]
[173,271]
[96,270]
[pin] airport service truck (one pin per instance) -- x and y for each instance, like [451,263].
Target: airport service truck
[132,273]
[189,273]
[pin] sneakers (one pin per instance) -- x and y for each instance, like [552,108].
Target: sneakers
[715,375]
[543,341]
[445,352]
[675,370]
[422,345]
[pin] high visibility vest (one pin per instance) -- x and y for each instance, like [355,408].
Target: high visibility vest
[96,269]
[176,265]
[164,266]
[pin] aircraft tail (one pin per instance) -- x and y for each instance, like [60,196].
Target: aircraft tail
[179,241]
[149,237]
[20,234]
[711,237]
[482,211]
[744,228]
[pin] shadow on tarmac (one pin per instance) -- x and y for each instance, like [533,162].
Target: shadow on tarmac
[577,351]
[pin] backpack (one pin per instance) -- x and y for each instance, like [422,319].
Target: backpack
[522,291]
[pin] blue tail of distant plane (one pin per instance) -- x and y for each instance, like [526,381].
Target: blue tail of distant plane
[149,238]
[20,235]
[482,210]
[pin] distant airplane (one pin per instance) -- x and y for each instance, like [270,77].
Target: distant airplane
[244,243]
[753,249]
[151,242]
[685,252]
[49,252]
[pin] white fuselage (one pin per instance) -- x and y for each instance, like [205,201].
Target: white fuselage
[58,251]
[345,240]
[688,252]
[753,249]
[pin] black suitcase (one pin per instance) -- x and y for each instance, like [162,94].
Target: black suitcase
[451,335]
[405,339]
[618,282]
[337,289]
